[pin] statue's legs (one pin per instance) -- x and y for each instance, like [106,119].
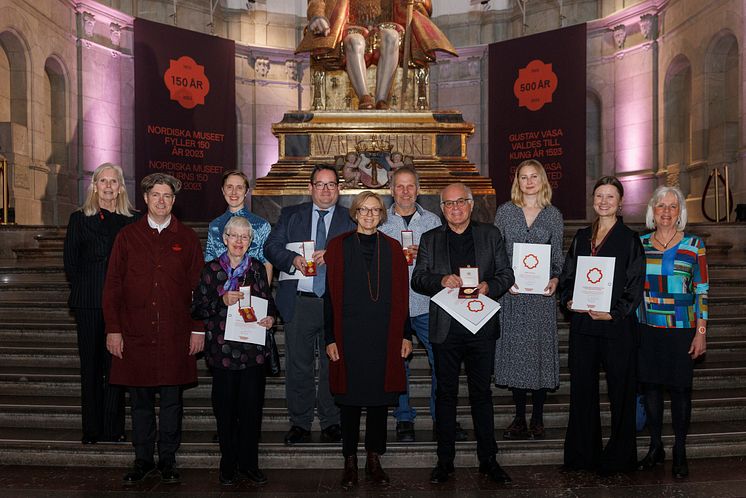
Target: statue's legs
[387,64]
[355,53]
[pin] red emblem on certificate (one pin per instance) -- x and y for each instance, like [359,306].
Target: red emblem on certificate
[475,306]
[186,81]
[530,261]
[309,246]
[594,275]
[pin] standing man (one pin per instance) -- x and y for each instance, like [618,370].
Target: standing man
[154,265]
[302,307]
[405,214]
[443,250]
[235,189]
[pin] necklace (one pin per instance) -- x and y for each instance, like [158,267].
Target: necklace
[665,246]
[378,271]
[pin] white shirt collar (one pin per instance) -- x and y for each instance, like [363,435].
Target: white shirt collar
[158,227]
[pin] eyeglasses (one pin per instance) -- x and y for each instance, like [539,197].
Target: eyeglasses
[158,195]
[325,185]
[235,236]
[234,189]
[460,202]
[366,211]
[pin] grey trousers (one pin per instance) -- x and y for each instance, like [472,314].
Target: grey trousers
[304,338]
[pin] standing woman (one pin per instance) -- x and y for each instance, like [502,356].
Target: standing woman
[238,368]
[366,306]
[604,339]
[673,315]
[526,356]
[88,242]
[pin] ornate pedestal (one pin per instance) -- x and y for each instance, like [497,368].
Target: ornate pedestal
[433,142]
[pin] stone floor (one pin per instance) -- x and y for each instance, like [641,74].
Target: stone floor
[714,477]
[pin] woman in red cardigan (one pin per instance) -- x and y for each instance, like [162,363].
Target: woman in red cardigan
[366,309]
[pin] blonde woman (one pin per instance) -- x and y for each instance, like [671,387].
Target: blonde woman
[526,356]
[88,242]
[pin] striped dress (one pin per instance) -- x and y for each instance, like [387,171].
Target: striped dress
[676,284]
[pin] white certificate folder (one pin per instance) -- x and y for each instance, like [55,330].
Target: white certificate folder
[531,265]
[594,281]
[236,329]
[472,313]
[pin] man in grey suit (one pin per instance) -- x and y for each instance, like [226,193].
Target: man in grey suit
[459,243]
[302,307]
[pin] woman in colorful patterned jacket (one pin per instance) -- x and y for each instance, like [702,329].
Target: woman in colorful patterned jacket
[673,319]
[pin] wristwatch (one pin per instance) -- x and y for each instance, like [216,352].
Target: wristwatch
[702,330]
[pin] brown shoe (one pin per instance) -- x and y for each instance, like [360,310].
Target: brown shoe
[366,102]
[517,429]
[374,471]
[536,430]
[382,105]
[349,475]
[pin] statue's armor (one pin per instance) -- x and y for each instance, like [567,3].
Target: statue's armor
[369,13]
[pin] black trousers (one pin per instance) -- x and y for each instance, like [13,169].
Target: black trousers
[237,402]
[583,445]
[102,404]
[478,355]
[169,422]
[375,428]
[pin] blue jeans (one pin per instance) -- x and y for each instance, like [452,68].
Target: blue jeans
[404,412]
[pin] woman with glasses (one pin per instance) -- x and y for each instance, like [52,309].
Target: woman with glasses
[366,307]
[527,356]
[673,317]
[88,242]
[238,368]
[600,338]
[235,189]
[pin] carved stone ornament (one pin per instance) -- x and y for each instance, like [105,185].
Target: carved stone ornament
[291,68]
[89,22]
[620,35]
[318,87]
[115,33]
[261,66]
[648,26]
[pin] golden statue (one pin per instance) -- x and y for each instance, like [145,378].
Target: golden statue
[355,34]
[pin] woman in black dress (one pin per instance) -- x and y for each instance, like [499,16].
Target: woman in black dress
[88,242]
[604,339]
[366,308]
[238,368]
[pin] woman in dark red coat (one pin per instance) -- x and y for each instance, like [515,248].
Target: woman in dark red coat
[366,308]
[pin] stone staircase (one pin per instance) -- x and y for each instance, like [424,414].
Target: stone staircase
[40,389]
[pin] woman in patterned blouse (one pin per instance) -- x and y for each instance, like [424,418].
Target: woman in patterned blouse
[673,318]
[238,368]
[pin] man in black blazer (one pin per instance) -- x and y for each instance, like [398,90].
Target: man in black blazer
[459,243]
[302,307]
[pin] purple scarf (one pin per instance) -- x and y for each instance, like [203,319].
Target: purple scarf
[233,274]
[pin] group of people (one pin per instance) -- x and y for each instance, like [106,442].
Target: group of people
[142,289]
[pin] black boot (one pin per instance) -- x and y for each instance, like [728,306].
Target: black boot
[656,455]
[680,468]
[349,475]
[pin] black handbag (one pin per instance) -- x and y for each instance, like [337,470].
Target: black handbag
[273,362]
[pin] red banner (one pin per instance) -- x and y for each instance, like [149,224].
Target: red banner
[537,111]
[185,108]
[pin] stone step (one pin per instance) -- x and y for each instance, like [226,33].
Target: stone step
[55,447]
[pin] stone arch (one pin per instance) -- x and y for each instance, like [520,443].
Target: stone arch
[14,77]
[677,115]
[722,108]
[55,111]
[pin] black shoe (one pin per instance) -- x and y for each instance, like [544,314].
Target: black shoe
[461,434]
[493,470]
[139,471]
[349,474]
[227,479]
[405,431]
[536,430]
[332,434]
[89,440]
[517,429]
[169,475]
[297,435]
[441,473]
[254,475]
[680,467]
[654,457]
